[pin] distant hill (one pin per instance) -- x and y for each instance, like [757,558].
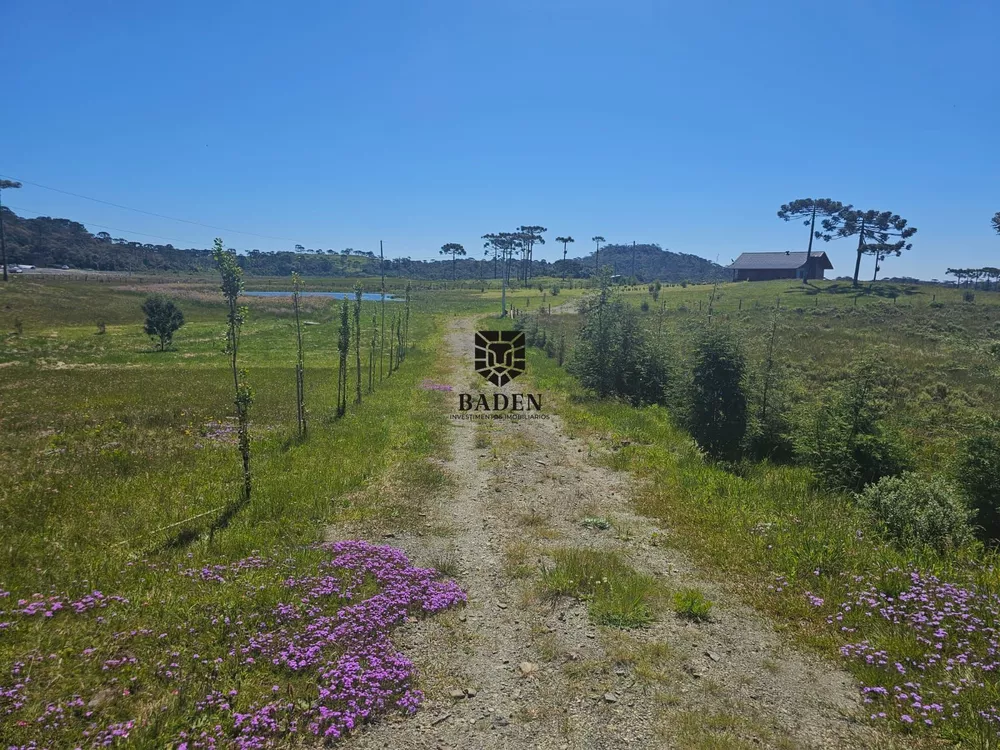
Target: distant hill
[54,242]
[649,262]
[45,241]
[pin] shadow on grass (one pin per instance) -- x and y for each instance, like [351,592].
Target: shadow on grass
[186,536]
[227,515]
[291,441]
[877,290]
[178,540]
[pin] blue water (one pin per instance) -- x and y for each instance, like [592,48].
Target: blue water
[367,296]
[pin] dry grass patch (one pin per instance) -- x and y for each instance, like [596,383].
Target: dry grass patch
[652,662]
[517,560]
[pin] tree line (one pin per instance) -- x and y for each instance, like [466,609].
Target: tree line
[45,241]
[989,275]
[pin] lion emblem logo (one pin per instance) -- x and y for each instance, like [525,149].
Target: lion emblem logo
[499,355]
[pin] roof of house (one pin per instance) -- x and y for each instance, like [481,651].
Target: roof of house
[777,261]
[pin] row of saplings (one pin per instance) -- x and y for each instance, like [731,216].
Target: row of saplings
[164,318]
[736,413]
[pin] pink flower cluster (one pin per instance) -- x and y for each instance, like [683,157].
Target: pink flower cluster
[335,627]
[215,572]
[936,641]
[48,606]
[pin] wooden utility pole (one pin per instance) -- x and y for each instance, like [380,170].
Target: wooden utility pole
[3,244]
[5,185]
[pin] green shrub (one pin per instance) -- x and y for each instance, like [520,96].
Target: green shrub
[528,324]
[716,409]
[613,355]
[851,443]
[554,290]
[163,318]
[978,475]
[644,305]
[911,511]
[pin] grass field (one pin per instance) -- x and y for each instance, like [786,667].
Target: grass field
[118,459]
[120,611]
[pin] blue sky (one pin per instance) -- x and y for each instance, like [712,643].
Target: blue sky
[337,124]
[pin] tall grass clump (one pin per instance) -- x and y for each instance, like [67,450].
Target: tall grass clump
[236,315]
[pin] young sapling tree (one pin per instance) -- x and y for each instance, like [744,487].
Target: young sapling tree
[343,347]
[300,396]
[232,288]
[358,291]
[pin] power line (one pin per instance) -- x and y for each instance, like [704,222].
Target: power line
[148,213]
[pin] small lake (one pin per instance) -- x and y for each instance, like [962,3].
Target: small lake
[366,296]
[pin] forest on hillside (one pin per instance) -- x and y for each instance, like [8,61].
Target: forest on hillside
[46,242]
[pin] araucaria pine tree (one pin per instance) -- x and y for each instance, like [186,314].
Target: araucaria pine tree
[300,387]
[232,288]
[358,291]
[807,209]
[343,347]
[880,233]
